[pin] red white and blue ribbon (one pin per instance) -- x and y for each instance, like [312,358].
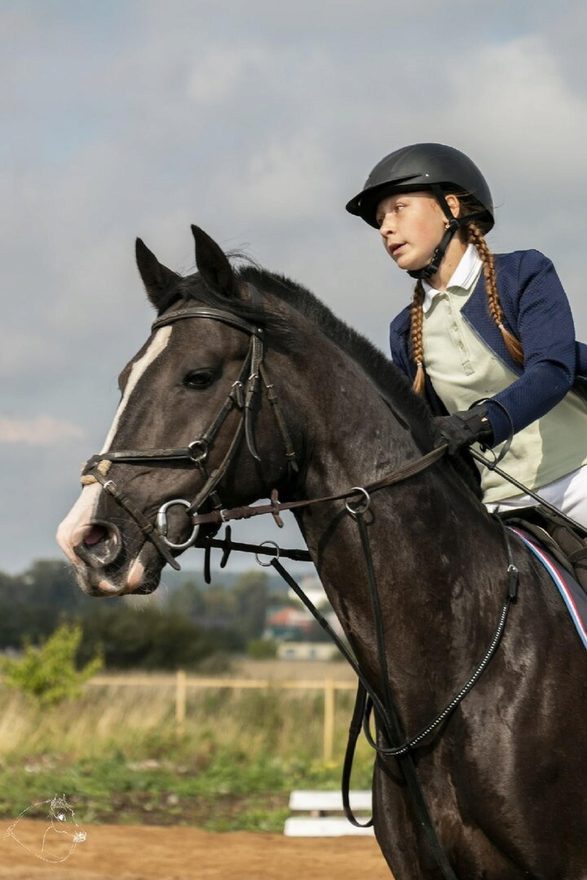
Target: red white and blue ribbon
[572,594]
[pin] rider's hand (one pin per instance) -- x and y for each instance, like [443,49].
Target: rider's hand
[463,428]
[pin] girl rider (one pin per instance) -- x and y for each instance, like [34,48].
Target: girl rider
[487,338]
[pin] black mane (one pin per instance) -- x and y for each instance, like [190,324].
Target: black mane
[391,382]
[389,379]
[393,385]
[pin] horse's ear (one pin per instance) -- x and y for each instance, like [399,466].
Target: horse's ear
[213,264]
[157,278]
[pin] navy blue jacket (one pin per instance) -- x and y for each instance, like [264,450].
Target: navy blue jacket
[537,312]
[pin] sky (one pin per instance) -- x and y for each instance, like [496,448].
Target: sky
[257,121]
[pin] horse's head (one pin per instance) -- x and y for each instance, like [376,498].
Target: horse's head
[196,418]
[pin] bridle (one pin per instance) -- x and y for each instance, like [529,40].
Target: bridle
[242,394]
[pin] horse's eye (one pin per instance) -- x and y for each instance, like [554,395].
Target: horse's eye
[199,379]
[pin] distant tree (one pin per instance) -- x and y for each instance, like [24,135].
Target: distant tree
[262,649]
[219,607]
[188,600]
[50,673]
[34,603]
[194,623]
[152,638]
[251,598]
[52,583]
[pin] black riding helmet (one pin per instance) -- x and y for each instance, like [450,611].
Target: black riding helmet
[422,166]
[435,167]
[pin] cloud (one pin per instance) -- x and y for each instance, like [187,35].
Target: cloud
[39,431]
[284,182]
[220,73]
[523,111]
[258,121]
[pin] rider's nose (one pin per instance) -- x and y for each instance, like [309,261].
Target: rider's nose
[386,225]
[99,544]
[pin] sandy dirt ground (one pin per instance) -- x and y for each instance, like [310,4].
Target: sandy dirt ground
[154,853]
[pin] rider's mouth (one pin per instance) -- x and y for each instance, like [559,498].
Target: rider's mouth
[395,249]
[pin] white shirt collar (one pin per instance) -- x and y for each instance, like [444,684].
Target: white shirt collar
[464,276]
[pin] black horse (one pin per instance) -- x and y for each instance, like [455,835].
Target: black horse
[502,778]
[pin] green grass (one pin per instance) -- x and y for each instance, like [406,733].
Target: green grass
[117,757]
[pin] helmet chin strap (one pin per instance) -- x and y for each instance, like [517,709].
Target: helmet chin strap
[453,225]
[431,268]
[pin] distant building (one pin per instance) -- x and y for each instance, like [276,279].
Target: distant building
[298,635]
[288,624]
[312,587]
[306,651]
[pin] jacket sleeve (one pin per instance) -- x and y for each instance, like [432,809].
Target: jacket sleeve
[546,332]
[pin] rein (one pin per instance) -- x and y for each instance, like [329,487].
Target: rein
[217,517]
[241,397]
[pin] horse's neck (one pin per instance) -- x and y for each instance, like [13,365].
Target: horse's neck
[434,550]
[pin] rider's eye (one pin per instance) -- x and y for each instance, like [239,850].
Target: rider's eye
[199,379]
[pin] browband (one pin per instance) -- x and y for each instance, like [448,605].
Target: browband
[213,314]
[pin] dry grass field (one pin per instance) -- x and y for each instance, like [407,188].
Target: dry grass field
[293,669]
[118,756]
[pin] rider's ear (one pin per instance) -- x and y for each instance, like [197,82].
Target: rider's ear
[157,278]
[213,264]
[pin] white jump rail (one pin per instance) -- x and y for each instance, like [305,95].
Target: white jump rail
[319,804]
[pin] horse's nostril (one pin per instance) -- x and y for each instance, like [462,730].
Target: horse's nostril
[94,535]
[99,545]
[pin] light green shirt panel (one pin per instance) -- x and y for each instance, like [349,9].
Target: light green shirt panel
[463,369]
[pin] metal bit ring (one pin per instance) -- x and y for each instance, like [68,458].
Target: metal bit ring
[361,506]
[162,524]
[264,544]
[198,450]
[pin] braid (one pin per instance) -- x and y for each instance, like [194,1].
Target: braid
[416,316]
[512,344]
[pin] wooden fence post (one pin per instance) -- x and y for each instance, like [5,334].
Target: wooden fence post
[329,699]
[180,700]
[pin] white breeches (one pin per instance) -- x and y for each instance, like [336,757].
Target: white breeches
[569,494]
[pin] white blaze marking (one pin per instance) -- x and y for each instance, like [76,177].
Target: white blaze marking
[71,530]
[158,345]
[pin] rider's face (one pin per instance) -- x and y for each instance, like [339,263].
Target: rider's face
[411,226]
